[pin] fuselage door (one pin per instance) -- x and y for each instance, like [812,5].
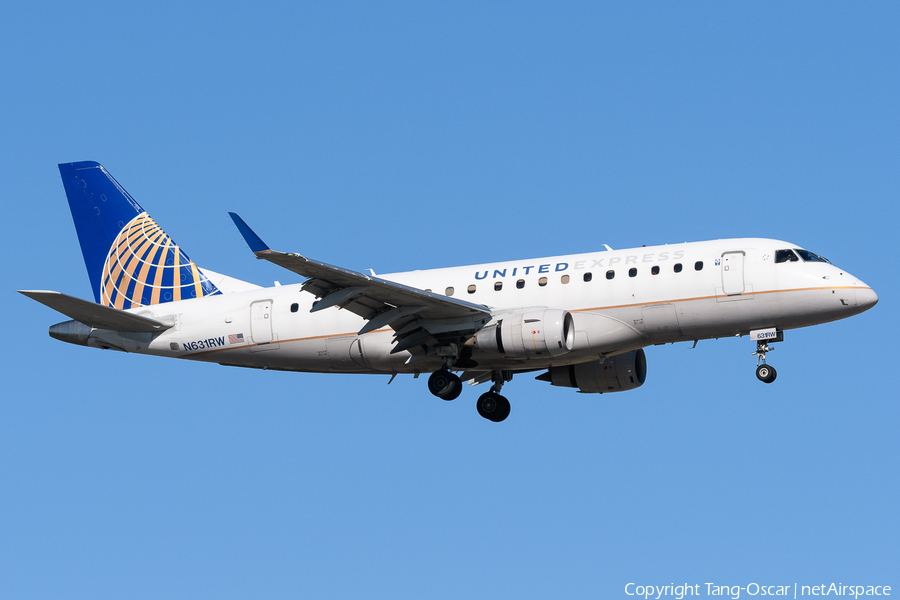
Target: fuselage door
[733,273]
[261,322]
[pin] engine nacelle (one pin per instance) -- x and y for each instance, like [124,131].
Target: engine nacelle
[532,334]
[615,374]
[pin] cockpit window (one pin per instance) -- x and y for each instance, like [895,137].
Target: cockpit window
[810,257]
[785,256]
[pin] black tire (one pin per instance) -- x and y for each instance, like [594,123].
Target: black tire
[486,405]
[493,407]
[452,392]
[444,385]
[503,410]
[766,373]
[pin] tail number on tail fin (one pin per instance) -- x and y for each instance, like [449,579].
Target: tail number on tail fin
[205,344]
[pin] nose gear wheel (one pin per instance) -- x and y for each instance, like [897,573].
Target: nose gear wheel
[766,373]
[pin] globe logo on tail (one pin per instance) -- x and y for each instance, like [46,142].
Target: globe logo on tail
[144,267]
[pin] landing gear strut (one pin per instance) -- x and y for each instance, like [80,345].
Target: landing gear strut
[491,405]
[765,373]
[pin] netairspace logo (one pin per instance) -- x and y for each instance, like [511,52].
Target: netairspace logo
[754,589]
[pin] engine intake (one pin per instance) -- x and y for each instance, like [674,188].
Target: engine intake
[531,334]
[615,374]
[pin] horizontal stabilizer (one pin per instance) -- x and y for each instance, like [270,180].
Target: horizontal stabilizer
[96,315]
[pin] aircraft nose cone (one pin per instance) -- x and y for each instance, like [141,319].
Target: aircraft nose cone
[866,298]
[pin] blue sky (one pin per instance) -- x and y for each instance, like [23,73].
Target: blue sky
[409,136]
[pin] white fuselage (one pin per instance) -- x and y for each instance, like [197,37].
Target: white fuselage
[738,288]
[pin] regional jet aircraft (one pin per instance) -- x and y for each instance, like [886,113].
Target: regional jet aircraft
[580,320]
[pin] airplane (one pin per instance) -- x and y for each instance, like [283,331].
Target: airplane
[581,320]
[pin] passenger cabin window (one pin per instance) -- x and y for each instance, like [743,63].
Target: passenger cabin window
[564,279]
[678,267]
[632,272]
[520,283]
[448,291]
[810,257]
[471,289]
[498,286]
[295,307]
[785,256]
[698,266]
[654,271]
[542,281]
[610,274]
[588,276]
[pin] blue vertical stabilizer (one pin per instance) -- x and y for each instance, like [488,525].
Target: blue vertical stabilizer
[130,260]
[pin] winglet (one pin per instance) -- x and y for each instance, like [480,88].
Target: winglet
[256,244]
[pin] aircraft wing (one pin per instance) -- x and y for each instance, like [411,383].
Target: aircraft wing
[419,317]
[96,315]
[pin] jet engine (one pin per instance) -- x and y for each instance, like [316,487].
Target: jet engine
[531,334]
[614,374]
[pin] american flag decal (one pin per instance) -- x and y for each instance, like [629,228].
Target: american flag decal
[237,338]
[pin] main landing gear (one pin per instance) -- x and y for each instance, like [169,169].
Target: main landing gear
[765,373]
[445,385]
[490,405]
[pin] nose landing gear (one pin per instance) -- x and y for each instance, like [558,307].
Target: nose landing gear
[765,373]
